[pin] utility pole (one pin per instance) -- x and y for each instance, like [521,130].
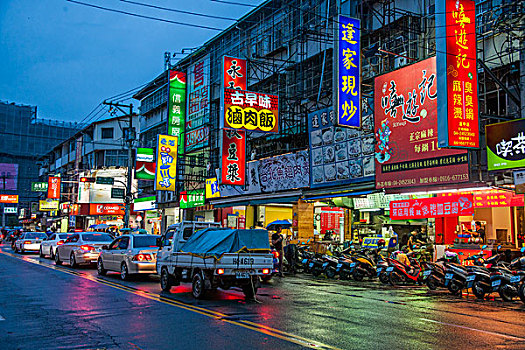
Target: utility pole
[129,137]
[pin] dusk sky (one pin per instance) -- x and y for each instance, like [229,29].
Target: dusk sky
[66,58]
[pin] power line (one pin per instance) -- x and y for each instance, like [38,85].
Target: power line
[179,11]
[235,3]
[144,16]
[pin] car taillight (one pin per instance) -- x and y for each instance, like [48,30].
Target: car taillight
[87,247]
[275,254]
[28,242]
[220,271]
[142,257]
[60,242]
[265,271]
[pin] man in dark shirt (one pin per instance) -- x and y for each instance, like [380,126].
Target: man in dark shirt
[277,242]
[480,231]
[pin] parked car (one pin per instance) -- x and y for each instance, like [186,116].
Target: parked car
[82,248]
[29,241]
[129,254]
[49,245]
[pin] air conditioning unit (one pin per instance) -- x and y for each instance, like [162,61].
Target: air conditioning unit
[400,61]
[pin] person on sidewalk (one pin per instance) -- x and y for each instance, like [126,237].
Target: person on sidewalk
[277,242]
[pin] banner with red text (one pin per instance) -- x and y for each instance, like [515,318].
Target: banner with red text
[423,208]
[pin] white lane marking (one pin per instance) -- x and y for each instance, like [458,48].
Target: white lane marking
[474,329]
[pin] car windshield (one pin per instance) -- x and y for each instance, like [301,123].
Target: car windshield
[34,235]
[144,241]
[64,236]
[96,237]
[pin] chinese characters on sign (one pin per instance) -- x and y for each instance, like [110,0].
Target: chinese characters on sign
[166,174]
[407,152]
[235,73]
[506,145]
[492,198]
[422,208]
[8,198]
[39,186]
[349,72]
[48,205]
[53,187]
[106,209]
[198,112]
[212,188]
[177,105]
[458,85]
[233,157]
[191,199]
[251,110]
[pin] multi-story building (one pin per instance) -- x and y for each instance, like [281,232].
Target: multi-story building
[23,139]
[289,48]
[98,150]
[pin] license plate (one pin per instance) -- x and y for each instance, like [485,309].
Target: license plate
[427,272]
[305,261]
[339,265]
[449,276]
[514,279]
[496,283]
[242,274]
[352,264]
[311,264]
[325,264]
[390,269]
[471,278]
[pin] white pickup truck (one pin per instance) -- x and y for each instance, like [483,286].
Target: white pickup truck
[211,257]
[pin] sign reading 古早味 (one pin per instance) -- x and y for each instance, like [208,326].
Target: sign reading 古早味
[422,208]
[457,73]
[177,105]
[407,152]
[506,145]
[348,95]
[251,110]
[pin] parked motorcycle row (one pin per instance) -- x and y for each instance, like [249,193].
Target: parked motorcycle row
[478,274]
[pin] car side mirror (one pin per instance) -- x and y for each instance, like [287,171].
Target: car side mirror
[105,247]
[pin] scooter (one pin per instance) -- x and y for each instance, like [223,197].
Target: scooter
[401,273]
[513,279]
[434,273]
[330,266]
[486,280]
[365,266]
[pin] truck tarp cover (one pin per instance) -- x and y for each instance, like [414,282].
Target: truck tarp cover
[216,242]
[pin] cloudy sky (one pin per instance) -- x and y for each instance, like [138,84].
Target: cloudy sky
[66,58]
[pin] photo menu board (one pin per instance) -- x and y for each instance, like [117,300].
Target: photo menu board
[339,155]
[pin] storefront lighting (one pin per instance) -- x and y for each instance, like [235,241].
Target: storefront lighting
[370,209]
[450,190]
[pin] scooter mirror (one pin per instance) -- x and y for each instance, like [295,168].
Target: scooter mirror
[484,246]
[499,247]
[522,249]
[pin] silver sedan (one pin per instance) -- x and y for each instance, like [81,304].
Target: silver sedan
[49,246]
[29,241]
[81,248]
[129,254]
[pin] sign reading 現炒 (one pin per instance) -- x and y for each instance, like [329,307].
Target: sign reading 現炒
[348,95]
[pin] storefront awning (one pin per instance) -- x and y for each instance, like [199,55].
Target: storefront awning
[259,199]
[344,191]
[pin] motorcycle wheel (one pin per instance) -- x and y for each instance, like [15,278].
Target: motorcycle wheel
[454,288]
[505,293]
[330,272]
[431,283]
[478,290]
[395,279]
[358,276]
[383,277]
[316,272]
[344,275]
[521,292]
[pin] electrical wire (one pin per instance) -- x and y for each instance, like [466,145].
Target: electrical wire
[144,16]
[179,11]
[235,3]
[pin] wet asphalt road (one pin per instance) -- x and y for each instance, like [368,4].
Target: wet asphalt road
[48,307]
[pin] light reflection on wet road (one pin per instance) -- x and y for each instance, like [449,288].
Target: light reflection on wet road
[344,315]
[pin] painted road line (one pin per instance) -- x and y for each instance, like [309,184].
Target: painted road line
[475,329]
[260,328]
